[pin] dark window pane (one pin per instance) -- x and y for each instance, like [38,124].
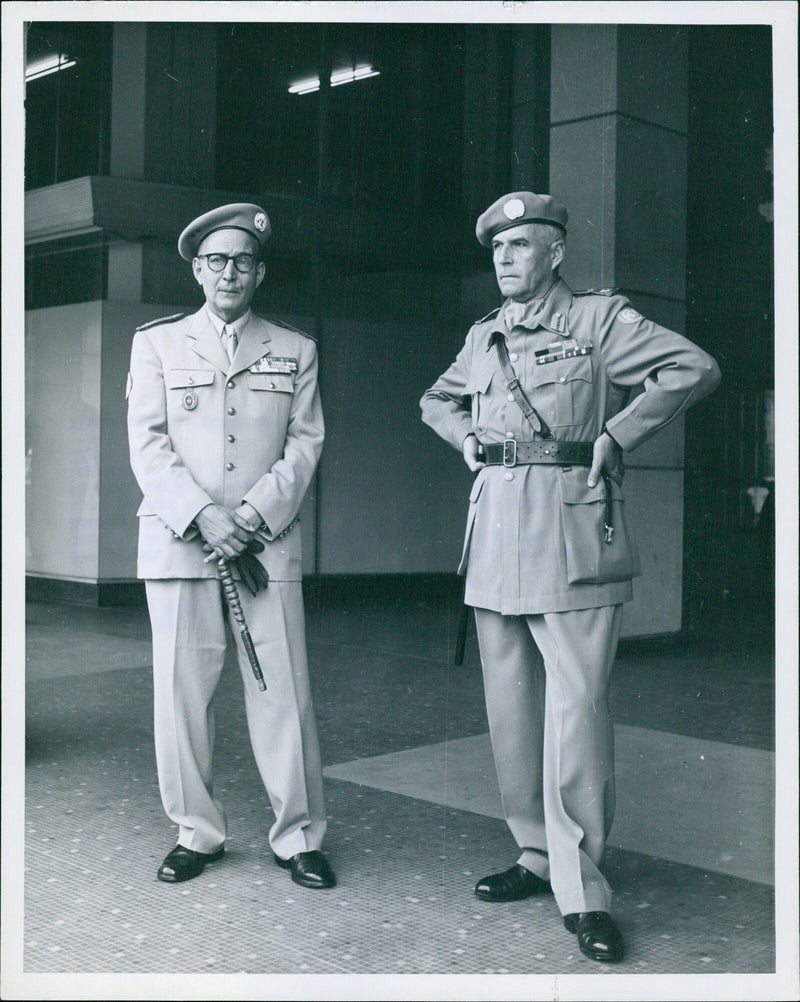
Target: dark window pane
[75,276]
[391,140]
[66,111]
[266,137]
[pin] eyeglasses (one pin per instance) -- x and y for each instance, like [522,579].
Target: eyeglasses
[241,262]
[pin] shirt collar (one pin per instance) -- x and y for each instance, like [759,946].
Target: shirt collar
[550,312]
[238,325]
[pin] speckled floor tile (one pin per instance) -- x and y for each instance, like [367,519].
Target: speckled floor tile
[95,830]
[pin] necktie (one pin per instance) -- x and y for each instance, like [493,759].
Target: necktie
[230,340]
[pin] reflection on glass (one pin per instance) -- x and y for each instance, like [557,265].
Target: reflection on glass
[66,101]
[387,133]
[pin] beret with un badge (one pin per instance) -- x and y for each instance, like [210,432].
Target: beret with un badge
[517,208]
[238,216]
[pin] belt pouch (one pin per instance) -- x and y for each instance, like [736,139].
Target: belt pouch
[590,559]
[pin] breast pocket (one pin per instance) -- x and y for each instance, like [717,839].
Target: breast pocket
[564,391]
[271,382]
[478,386]
[187,388]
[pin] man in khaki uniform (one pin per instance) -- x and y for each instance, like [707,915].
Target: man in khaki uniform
[538,402]
[225,428]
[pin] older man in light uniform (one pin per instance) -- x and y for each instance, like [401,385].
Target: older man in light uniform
[537,401]
[225,428]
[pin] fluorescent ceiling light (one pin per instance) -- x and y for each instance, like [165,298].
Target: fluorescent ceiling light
[48,64]
[339,77]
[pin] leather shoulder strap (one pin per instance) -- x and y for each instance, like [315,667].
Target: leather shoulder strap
[534,419]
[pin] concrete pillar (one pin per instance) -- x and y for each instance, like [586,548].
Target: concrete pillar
[618,122]
[163,128]
[182,104]
[127,141]
[128,52]
[618,149]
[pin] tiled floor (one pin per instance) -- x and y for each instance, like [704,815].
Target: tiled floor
[95,831]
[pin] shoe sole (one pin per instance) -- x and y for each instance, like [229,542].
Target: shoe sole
[503,900]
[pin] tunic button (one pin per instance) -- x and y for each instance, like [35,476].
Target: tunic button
[229,466]
[191,380]
[231,410]
[509,434]
[510,397]
[272,386]
[513,356]
[231,438]
[509,475]
[562,379]
[231,384]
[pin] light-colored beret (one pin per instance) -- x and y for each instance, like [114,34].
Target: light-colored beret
[237,216]
[517,208]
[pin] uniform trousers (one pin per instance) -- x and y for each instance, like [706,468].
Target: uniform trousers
[189,642]
[546,681]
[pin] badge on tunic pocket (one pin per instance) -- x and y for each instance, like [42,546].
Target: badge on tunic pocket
[190,400]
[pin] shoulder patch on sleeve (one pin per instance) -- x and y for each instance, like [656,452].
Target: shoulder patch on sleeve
[596,292]
[160,320]
[489,316]
[628,315]
[294,330]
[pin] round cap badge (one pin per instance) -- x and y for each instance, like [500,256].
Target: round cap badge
[260,222]
[514,208]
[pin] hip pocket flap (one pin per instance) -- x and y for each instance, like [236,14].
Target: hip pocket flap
[575,490]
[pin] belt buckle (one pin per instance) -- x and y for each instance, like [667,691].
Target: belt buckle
[509,453]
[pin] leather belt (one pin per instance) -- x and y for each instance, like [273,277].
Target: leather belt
[512,453]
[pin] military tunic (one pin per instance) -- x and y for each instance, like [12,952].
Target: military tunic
[204,429]
[577,357]
[546,587]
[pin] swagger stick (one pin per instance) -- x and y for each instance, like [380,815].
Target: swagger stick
[232,595]
[461,630]
[461,636]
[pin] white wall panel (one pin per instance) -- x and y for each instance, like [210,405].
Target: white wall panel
[62,440]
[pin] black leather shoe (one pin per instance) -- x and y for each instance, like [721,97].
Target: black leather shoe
[183,864]
[598,936]
[513,884]
[309,869]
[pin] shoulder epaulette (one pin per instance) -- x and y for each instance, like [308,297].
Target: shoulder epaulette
[597,292]
[294,330]
[488,316]
[161,320]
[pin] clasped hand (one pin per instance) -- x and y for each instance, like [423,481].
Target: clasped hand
[227,532]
